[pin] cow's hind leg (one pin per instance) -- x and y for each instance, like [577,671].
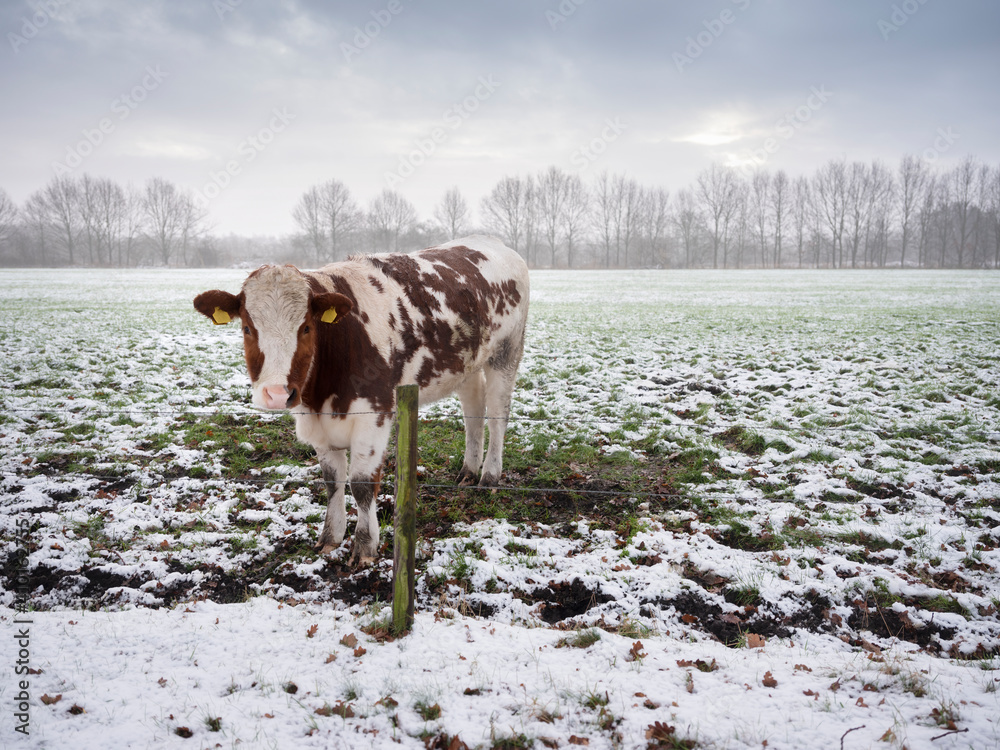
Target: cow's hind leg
[334,465]
[472,394]
[501,376]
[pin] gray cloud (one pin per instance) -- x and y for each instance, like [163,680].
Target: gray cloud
[563,70]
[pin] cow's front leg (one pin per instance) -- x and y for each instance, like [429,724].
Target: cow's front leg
[333,462]
[367,456]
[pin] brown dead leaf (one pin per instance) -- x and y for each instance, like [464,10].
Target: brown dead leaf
[755,641]
[635,653]
[359,652]
[350,640]
[48,700]
[769,681]
[331,658]
[312,631]
[574,740]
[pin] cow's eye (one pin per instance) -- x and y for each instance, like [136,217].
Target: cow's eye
[246,330]
[305,329]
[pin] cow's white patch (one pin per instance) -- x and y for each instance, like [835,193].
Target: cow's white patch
[277,300]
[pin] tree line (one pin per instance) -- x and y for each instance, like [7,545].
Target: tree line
[847,214]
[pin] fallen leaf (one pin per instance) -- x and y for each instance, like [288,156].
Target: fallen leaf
[330,658]
[635,653]
[75,709]
[574,740]
[769,681]
[183,732]
[360,651]
[312,631]
[350,640]
[49,700]
[755,641]
[659,731]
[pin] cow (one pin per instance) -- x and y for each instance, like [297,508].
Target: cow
[331,346]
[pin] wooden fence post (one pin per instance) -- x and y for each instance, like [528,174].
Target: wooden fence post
[405,516]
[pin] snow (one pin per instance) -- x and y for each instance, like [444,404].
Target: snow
[875,394]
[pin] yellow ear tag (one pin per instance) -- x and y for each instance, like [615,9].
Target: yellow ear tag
[330,316]
[221,317]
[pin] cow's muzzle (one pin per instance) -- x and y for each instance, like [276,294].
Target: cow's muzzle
[280,396]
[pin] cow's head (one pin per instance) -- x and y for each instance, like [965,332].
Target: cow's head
[281,318]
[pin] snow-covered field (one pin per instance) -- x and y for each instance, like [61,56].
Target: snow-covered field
[743,508]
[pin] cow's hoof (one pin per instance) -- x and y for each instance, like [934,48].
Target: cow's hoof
[359,562]
[466,477]
[490,480]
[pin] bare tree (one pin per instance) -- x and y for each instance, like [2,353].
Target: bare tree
[603,216]
[942,217]
[341,216]
[452,214]
[308,216]
[760,213]
[552,191]
[164,209]
[830,200]
[61,198]
[686,220]
[716,189]
[194,218]
[981,222]
[8,217]
[925,220]
[741,221]
[627,209]
[655,221]
[36,219]
[882,200]
[505,211]
[963,185]
[780,198]
[912,179]
[574,216]
[801,207]
[858,209]
[390,216]
[994,212]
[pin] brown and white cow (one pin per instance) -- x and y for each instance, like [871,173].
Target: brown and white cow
[332,345]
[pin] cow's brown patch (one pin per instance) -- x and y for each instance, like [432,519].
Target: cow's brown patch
[251,352]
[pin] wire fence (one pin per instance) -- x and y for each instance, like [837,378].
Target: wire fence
[147,476]
[631,422]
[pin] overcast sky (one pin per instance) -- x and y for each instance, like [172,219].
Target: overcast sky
[421,96]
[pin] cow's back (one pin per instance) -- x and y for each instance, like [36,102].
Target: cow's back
[431,318]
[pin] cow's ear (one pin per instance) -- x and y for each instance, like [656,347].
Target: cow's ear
[331,307]
[218,306]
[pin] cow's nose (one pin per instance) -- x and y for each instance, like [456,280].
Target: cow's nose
[275,396]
